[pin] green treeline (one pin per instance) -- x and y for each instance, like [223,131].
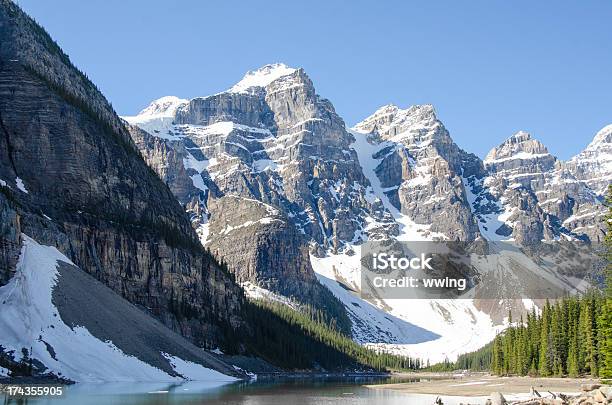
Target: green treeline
[296,340]
[572,336]
[479,360]
[567,338]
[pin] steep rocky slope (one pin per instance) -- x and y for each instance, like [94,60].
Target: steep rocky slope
[272,172]
[278,143]
[420,168]
[71,177]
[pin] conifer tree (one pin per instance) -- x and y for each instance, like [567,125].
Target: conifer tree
[544,358]
[605,318]
[587,337]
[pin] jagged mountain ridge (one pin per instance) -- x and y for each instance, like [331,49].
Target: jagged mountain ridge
[414,143]
[264,158]
[273,154]
[429,190]
[534,187]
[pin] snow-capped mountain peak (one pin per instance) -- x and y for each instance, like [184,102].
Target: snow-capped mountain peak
[594,163]
[521,136]
[603,138]
[262,77]
[385,110]
[519,146]
[390,120]
[157,118]
[162,107]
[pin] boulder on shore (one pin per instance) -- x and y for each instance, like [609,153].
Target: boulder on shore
[496,399]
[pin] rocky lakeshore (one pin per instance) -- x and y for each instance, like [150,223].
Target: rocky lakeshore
[484,389]
[591,394]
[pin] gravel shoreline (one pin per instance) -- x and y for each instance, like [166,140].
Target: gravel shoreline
[483,385]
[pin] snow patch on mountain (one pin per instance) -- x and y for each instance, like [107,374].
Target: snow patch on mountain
[262,77]
[190,162]
[198,182]
[158,117]
[491,214]
[461,326]
[518,156]
[195,372]
[428,329]
[221,128]
[203,230]
[20,185]
[370,324]
[256,292]
[409,230]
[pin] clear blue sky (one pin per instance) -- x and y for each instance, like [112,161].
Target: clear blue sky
[490,68]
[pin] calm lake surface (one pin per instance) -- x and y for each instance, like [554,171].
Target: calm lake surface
[264,392]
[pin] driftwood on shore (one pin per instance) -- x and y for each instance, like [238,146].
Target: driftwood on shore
[592,394]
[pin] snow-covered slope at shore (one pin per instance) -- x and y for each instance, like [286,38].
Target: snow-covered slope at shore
[32,323]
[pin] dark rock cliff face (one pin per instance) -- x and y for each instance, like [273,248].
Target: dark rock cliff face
[73,178]
[10,236]
[110,318]
[167,161]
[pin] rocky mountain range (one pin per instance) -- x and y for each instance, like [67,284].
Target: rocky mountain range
[255,141]
[282,191]
[132,241]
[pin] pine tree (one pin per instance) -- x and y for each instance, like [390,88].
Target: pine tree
[587,336]
[543,366]
[498,356]
[523,350]
[556,339]
[573,361]
[572,357]
[605,318]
